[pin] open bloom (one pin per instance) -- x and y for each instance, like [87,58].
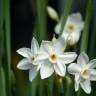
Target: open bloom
[72,28]
[28,63]
[54,58]
[84,72]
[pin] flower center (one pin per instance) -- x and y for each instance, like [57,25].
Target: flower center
[53,58]
[85,73]
[70,28]
[33,58]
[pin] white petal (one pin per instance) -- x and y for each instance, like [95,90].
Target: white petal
[25,52]
[39,66]
[65,35]
[73,38]
[74,68]
[41,57]
[34,46]
[92,64]
[44,42]
[46,70]
[76,86]
[68,57]
[77,81]
[86,86]
[79,26]
[32,73]
[24,64]
[59,45]
[46,47]
[57,28]
[83,59]
[75,18]
[60,69]
[93,74]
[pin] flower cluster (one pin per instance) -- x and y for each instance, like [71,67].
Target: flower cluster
[50,57]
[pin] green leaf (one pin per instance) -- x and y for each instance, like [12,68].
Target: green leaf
[92,42]
[69,87]
[7,55]
[42,18]
[2,82]
[85,34]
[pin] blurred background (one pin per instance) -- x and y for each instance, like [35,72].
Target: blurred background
[19,21]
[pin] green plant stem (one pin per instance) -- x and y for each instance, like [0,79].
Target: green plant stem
[7,66]
[50,86]
[2,82]
[85,35]
[92,42]
[69,87]
[42,18]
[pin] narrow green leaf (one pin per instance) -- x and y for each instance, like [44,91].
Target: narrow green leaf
[1,26]
[7,55]
[42,20]
[69,87]
[2,82]
[85,34]
[50,86]
[2,75]
[92,42]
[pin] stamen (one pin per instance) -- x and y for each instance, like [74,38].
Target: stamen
[53,58]
[85,73]
[70,28]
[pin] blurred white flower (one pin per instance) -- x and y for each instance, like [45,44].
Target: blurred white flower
[84,72]
[54,58]
[52,13]
[28,63]
[72,29]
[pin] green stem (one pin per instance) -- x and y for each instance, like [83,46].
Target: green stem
[85,34]
[50,86]
[2,82]
[7,66]
[69,87]
[92,42]
[42,18]
[2,75]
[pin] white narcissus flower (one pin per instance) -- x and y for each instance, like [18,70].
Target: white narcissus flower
[72,29]
[28,63]
[54,58]
[84,72]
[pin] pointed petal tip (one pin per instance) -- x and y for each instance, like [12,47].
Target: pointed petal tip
[33,38]
[17,66]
